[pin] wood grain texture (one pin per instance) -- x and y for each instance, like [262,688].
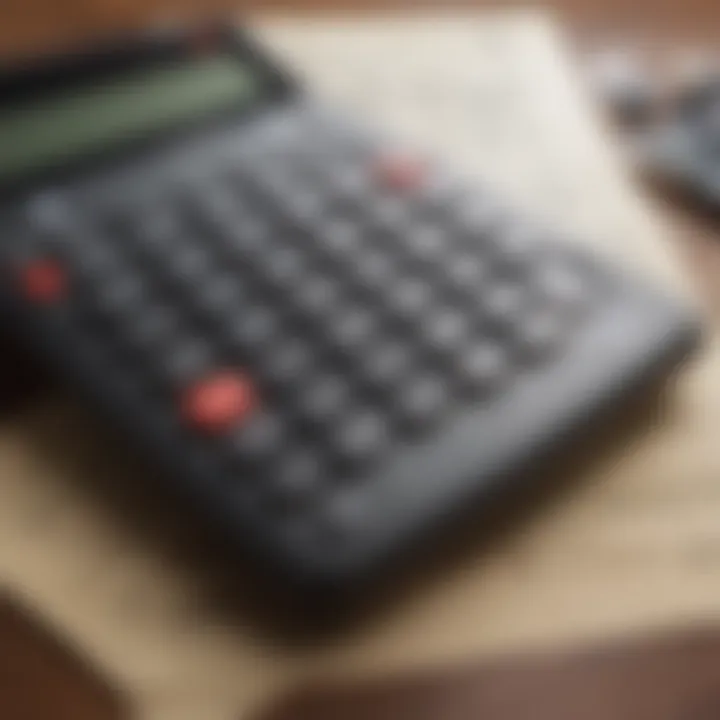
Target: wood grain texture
[27,25]
[41,679]
[670,678]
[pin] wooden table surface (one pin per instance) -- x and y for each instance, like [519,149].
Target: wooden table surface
[27,26]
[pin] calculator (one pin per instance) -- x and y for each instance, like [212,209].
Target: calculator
[326,342]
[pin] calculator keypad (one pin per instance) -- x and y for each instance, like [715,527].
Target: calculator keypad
[313,304]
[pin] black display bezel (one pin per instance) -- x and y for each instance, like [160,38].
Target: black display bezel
[53,74]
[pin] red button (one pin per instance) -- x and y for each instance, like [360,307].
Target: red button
[401,172]
[43,281]
[219,402]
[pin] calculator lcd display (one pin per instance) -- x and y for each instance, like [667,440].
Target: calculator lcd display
[53,130]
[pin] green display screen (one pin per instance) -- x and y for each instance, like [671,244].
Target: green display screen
[54,130]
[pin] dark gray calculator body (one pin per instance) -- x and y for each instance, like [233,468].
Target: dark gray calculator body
[329,344]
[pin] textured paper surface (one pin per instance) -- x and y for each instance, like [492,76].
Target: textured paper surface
[637,543]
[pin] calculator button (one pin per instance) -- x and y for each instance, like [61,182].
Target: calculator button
[153,328]
[427,243]
[446,330]
[296,478]
[186,361]
[260,439]
[95,261]
[219,402]
[349,183]
[410,297]
[318,294]
[503,303]
[49,212]
[339,236]
[421,401]
[121,295]
[190,262]
[353,329]
[253,329]
[155,229]
[481,367]
[43,281]
[374,270]
[400,172]
[215,204]
[389,212]
[285,266]
[323,398]
[466,272]
[287,362]
[387,363]
[303,206]
[540,334]
[360,438]
[246,236]
[562,287]
[222,295]
[342,514]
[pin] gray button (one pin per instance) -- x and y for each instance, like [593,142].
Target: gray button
[446,329]
[324,398]
[421,401]
[339,236]
[187,361]
[427,243]
[361,437]
[250,233]
[155,229]
[342,514]
[389,213]
[387,363]
[482,366]
[502,303]
[153,328]
[255,327]
[189,262]
[96,261]
[375,269]
[222,294]
[285,265]
[410,297]
[354,328]
[287,361]
[297,478]
[561,286]
[49,212]
[260,439]
[318,294]
[541,333]
[303,206]
[466,272]
[121,294]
